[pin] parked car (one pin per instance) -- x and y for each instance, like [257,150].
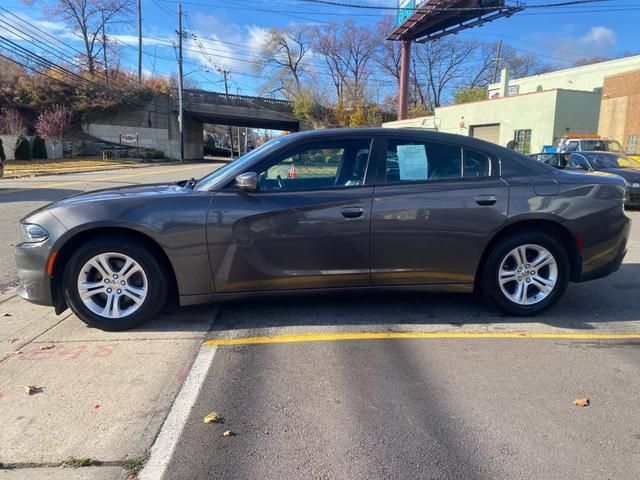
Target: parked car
[324,210]
[616,163]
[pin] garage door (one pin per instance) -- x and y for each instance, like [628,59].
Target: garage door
[490,133]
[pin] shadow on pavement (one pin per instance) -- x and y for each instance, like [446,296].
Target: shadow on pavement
[612,299]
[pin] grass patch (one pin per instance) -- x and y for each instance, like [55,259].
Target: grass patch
[135,464]
[80,462]
[19,166]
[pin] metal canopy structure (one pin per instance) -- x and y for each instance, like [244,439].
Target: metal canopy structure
[425,20]
[422,20]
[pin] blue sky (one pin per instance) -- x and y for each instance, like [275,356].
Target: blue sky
[232,30]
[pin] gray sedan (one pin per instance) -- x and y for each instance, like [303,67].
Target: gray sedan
[323,210]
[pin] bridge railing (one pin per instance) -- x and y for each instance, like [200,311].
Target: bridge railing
[215,98]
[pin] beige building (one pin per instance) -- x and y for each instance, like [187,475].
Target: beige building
[587,78]
[535,111]
[620,110]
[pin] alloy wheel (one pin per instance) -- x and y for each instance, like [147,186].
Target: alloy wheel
[528,274]
[112,285]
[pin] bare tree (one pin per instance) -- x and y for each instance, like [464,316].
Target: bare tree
[348,51]
[282,58]
[388,53]
[90,18]
[523,65]
[440,65]
[53,123]
[12,125]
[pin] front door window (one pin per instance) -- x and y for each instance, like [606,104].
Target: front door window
[320,165]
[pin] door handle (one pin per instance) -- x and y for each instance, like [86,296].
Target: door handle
[352,212]
[485,200]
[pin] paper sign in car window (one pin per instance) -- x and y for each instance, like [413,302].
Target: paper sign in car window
[413,163]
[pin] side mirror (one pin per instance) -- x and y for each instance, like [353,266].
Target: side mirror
[247,181]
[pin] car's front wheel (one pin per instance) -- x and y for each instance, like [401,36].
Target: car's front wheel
[114,285]
[526,273]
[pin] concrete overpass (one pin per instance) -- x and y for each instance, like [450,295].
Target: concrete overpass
[240,110]
[155,124]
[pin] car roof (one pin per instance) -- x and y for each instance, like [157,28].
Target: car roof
[415,132]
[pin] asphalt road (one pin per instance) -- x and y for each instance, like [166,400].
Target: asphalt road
[470,405]
[417,409]
[428,408]
[18,197]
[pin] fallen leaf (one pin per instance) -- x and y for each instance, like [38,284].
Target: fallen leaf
[213,417]
[32,389]
[10,354]
[6,314]
[13,340]
[228,433]
[581,402]
[46,347]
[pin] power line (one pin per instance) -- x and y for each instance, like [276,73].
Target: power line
[448,9]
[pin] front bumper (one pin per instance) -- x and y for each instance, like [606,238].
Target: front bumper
[35,282]
[632,197]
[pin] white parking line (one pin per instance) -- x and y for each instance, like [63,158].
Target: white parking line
[167,439]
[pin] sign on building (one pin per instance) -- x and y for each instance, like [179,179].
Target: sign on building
[129,138]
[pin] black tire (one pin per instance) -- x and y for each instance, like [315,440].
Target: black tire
[490,285]
[155,275]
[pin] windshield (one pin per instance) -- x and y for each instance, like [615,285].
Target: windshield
[236,166]
[603,145]
[610,160]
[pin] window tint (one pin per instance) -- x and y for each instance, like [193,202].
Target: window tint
[316,166]
[476,164]
[425,161]
[572,146]
[419,161]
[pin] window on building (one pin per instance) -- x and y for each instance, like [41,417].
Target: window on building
[523,141]
[632,143]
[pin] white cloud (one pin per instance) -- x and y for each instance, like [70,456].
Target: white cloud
[599,37]
[598,41]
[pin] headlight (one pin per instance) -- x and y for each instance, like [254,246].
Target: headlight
[32,233]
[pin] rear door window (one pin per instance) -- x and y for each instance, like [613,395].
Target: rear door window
[416,161]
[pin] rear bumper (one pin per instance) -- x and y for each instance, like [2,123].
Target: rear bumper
[35,283]
[608,258]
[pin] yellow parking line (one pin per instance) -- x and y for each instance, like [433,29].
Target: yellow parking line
[328,337]
[99,179]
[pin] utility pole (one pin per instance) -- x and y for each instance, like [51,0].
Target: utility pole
[226,92]
[180,93]
[140,41]
[104,50]
[497,60]
[238,130]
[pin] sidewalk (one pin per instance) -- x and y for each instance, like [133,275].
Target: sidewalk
[101,397]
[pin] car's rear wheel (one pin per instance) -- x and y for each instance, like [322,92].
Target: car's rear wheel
[114,285]
[526,273]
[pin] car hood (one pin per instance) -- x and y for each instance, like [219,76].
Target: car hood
[136,191]
[629,174]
